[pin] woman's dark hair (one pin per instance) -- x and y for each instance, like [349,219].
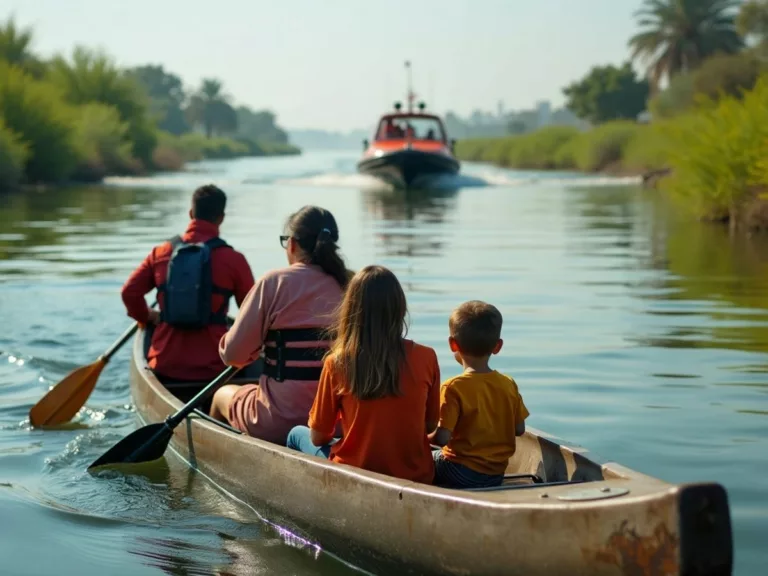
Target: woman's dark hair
[316,232]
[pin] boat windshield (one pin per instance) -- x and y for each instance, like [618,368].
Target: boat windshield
[414,127]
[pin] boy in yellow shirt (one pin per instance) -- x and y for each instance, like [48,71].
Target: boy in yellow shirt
[481,410]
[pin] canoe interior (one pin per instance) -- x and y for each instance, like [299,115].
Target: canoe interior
[184,390]
[536,458]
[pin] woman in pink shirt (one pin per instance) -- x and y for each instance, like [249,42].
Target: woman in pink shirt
[285,314]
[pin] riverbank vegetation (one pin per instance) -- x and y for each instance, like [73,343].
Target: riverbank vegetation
[705,133]
[81,117]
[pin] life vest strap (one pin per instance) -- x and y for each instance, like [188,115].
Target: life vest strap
[275,350]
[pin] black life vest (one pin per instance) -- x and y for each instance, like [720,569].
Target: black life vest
[189,286]
[277,354]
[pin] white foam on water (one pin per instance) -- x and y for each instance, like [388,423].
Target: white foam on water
[492,177]
[337,180]
[473,177]
[180,180]
[594,181]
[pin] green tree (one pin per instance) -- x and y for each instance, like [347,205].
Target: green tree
[92,77]
[103,143]
[676,99]
[13,156]
[727,74]
[16,48]
[259,126]
[166,94]
[209,108]
[607,93]
[36,113]
[678,35]
[752,22]
[721,75]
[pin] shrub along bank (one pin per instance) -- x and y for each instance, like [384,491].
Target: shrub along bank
[716,154]
[616,147]
[173,151]
[82,117]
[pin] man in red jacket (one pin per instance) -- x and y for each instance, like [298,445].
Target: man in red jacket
[195,275]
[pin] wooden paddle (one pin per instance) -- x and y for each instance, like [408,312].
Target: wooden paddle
[149,442]
[64,400]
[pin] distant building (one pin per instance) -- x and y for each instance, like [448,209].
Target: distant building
[544,109]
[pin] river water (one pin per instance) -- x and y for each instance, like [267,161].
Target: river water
[630,329]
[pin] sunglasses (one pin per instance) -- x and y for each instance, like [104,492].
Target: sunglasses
[284,241]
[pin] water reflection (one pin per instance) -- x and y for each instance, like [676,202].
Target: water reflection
[609,209]
[618,316]
[410,221]
[206,532]
[711,287]
[48,226]
[716,289]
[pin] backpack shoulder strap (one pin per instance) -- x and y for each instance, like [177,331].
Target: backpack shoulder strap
[219,316]
[175,241]
[216,242]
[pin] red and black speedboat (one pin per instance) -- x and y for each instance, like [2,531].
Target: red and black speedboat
[409,147]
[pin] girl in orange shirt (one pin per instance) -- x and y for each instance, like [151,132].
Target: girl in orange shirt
[384,389]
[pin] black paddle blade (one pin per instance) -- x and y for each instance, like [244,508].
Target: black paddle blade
[143,445]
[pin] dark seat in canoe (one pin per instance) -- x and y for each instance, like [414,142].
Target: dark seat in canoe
[184,390]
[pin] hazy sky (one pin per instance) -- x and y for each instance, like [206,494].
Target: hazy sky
[338,64]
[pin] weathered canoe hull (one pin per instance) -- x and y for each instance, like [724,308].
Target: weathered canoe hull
[656,528]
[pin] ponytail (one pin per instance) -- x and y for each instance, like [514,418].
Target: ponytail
[326,255]
[316,232]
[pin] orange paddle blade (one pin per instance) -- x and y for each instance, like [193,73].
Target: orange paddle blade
[65,399]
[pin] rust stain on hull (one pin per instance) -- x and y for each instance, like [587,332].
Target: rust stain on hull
[635,555]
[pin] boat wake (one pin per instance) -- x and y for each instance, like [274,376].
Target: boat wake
[367,182]
[337,180]
[472,176]
[505,178]
[182,180]
[469,180]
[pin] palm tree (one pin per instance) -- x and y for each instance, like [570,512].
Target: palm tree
[678,35]
[210,107]
[15,47]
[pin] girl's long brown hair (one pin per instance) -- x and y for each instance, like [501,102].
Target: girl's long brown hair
[368,348]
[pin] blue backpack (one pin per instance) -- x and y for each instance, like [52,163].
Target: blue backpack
[189,286]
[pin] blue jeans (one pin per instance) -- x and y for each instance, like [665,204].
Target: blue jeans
[453,475]
[298,439]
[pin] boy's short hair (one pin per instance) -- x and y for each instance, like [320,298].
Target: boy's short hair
[476,327]
[208,203]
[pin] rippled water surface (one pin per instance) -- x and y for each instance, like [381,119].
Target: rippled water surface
[629,329]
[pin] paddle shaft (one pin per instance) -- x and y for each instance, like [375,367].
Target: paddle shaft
[177,418]
[123,339]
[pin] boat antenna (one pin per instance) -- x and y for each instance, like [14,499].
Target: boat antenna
[411,95]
